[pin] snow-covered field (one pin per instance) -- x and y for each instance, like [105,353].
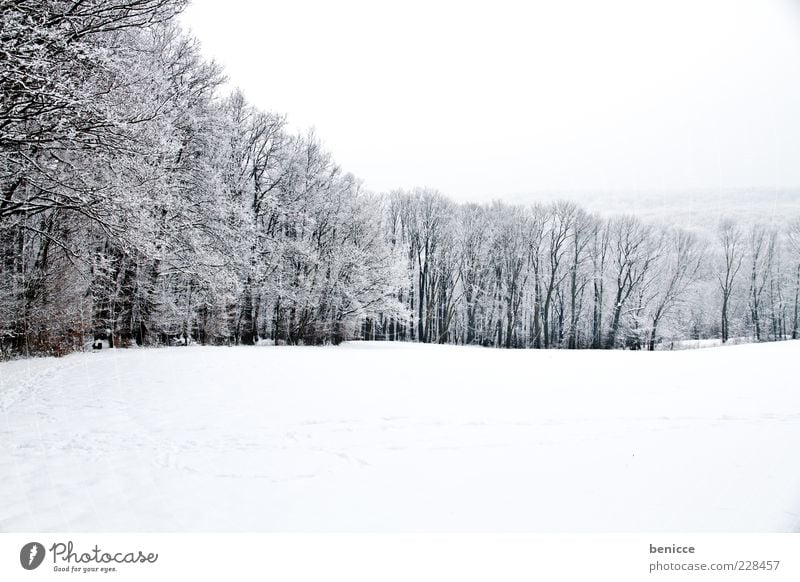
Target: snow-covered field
[388,437]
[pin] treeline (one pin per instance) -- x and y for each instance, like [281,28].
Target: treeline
[555,276]
[138,205]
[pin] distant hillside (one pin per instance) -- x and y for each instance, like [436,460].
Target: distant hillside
[693,210]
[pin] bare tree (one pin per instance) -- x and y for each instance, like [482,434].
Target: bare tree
[580,239]
[731,240]
[561,222]
[473,241]
[633,255]
[511,249]
[761,247]
[601,242]
[679,267]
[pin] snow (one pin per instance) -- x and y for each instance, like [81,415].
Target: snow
[402,437]
[692,344]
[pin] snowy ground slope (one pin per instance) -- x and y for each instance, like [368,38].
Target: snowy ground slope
[388,437]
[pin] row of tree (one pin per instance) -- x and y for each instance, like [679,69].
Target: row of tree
[140,206]
[549,276]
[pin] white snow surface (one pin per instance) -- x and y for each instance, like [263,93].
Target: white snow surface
[402,437]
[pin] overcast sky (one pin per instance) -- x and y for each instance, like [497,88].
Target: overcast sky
[499,99]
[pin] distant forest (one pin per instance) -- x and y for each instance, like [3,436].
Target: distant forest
[139,205]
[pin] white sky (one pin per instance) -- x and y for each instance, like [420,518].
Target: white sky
[499,99]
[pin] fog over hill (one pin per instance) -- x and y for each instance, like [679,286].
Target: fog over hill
[692,209]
